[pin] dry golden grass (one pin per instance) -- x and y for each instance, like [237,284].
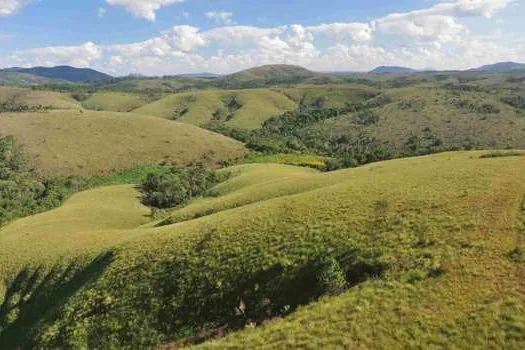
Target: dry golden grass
[94,143]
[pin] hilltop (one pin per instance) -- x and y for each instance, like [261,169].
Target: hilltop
[70,142]
[270,74]
[502,67]
[59,74]
[392,69]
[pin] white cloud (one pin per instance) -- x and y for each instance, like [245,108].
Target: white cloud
[10,7]
[79,56]
[358,32]
[435,37]
[439,23]
[143,8]
[220,17]
[101,12]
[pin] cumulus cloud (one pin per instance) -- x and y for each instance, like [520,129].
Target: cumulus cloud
[435,37]
[143,8]
[220,17]
[10,7]
[79,56]
[439,23]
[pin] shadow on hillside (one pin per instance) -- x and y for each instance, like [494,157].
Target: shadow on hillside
[35,296]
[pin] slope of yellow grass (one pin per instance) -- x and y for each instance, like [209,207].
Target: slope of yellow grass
[94,143]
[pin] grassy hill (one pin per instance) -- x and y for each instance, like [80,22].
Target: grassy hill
[93,143]
[245,109]
[458,119]
[114,101]
[32,98]
[418,252]
[63,73]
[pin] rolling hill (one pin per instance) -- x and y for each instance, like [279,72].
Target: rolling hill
[392,69]
[270,74]
[62,73]
[33,98]
[245,109]
[502,67]
[426,251]
[93,143]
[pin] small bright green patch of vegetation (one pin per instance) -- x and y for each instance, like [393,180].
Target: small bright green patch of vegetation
[297,159]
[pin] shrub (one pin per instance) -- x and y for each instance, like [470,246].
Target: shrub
[179,186]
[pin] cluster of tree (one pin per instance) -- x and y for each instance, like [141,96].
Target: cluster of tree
[22,192]
[293,132]
[13,106]
[178,186]
[474,107]
[516,101]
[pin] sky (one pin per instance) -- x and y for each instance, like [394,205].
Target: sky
[166,37]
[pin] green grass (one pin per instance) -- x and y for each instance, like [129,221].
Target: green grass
[34,98]
[299,159]
[199,108]
[455,117]
[101,143]
[114,101]
[437,230]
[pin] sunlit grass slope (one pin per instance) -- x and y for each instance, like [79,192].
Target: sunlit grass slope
[458,118]
[114,101]
[431,246]
[93,143]
[252,108]
[35,97]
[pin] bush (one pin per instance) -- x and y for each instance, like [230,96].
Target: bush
[330,277]
[22,192]
[177,187]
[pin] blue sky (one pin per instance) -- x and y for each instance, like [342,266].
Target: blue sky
[177,36]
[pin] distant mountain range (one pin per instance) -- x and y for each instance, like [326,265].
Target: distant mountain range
[269,74]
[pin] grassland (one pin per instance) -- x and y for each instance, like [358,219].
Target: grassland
[429,245]
[114,101]
[34,98]
[97,143]
[252,107]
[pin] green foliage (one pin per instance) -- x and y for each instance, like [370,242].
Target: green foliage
[13,106]
[22,193]
[178,186]
[500,154]
[470,106]
[426,142]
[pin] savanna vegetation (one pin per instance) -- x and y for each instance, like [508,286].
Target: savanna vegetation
[265,209]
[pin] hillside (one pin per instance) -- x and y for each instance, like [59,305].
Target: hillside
[246,109]
[64,73]
[94,143]
[502,67]
[429,247]
[114,101]
[33,98]
[270,74]
[392,69]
